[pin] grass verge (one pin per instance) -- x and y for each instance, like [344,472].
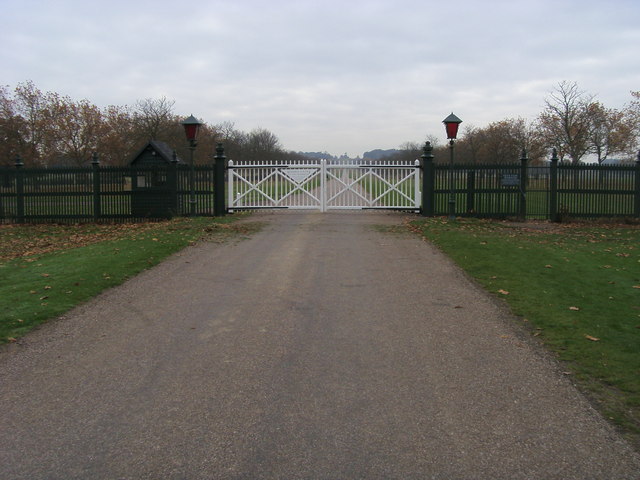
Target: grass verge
[577,288]
[45,270]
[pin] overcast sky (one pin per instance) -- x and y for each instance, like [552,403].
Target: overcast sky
[339,76]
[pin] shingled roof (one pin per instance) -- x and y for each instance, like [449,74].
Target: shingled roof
[154,149]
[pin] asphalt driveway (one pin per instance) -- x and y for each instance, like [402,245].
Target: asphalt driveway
[321,348]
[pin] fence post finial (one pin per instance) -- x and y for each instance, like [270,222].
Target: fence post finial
[220,151]
[428,151]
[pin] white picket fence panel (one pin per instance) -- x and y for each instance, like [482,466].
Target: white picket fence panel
[324,185]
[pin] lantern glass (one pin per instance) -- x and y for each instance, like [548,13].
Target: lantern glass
[451,124]
[191,127]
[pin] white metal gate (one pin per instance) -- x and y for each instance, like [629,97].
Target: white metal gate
[324,185]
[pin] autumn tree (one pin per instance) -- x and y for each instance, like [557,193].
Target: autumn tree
[609,133]
[632,118]
[11,124]
[119,140]
[31,106]
[74,130]
[500,142]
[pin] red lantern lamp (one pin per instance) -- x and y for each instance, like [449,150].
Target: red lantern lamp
[191,126]
[451,124]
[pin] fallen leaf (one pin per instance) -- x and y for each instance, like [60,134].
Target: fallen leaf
[548,266]
[636,286]
[574,308]
[45,275]
[503,292]
[593,339]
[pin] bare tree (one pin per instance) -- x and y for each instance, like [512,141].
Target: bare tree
[263,145]
[154,118]
[565,121]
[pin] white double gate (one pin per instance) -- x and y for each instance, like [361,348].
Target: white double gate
[323,185]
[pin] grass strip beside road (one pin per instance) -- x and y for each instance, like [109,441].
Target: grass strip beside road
[576,287]
[45,270]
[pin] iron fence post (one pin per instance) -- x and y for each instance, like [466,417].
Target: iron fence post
[19,189]
[428,181]
[636,206]
[452,191]
[173,183]
[553,187]
[524,158]
[192,175]
[471,191]
[95,163]
[219,208]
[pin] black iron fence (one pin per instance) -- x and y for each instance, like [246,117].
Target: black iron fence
[97,193]
[552,191]
[103,193]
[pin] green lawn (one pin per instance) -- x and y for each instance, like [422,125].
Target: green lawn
[577,288]
[46,270]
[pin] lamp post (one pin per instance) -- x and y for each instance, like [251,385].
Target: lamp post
[191,127]
[451,124]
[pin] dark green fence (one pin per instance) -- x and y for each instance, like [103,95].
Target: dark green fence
[97,193]
[551,191]
[103,193]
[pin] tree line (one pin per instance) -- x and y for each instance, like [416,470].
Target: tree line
[46,129]
[573,122]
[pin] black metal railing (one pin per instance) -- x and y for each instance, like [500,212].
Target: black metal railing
[550,191]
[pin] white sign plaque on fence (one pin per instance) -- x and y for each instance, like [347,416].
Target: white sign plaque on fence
[510,180]
[299,175]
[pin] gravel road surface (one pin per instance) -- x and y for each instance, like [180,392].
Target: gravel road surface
[320,348]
